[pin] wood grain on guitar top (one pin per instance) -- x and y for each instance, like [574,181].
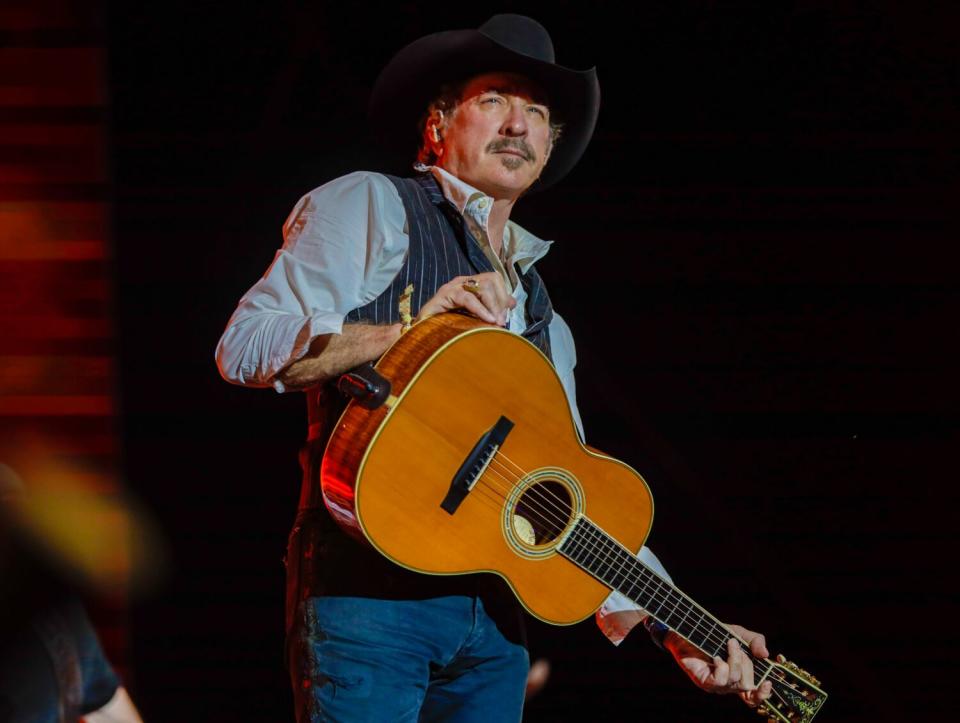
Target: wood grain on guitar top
[386,471]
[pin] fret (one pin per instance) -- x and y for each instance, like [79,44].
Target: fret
[687,628]
[641,593]
[579,552]
[602,566]
[659,603]
[667,617]
[614,556]
[698,637]
[605,559]
[709,637]
[638,590]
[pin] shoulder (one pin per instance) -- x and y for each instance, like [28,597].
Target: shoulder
[358,185]
[350,203]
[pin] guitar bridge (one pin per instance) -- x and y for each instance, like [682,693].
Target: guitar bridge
[475,464]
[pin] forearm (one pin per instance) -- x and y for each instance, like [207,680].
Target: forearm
[330,355]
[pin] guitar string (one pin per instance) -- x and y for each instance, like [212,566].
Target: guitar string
[678,603]
[718,634]
[598,545]
[671,599]
[711,636]
[665,596]
[763,669]
[560,517]
[776,676]
[494,495]
[670,596]
[609,547]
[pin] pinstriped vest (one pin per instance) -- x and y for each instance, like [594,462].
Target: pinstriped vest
[321,559]
[442,247]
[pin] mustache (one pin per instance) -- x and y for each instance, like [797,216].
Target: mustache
[515,144]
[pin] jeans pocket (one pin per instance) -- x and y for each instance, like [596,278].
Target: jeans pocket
[327,657]
[327,667]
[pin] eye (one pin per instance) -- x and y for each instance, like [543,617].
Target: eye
[539,110]
[492,99]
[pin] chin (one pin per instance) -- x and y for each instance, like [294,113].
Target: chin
[506,183]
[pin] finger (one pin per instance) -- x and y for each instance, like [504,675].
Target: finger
[698,670]
[755,697]
[451,296]
[495,295]
[483,288]
[504,297]
[454,295]
[758,646]
[492,301]
[721,673]
[746,674]
[756,641]
[735,661]
[743,664]
[472,303]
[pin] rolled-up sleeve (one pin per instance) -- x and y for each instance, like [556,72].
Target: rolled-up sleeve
[619,614]
[343,243]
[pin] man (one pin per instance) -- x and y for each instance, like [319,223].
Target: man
[367,640]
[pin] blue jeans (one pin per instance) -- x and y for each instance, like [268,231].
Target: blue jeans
[439,659]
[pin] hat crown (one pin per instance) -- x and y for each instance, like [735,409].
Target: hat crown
[520,34]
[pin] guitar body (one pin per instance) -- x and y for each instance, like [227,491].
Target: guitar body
[473,464]
[387,471]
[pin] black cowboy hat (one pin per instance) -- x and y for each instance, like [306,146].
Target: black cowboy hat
[505,43]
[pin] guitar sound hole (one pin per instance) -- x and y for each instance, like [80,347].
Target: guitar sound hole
[542,512]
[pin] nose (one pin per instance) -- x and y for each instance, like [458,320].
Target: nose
[515,122]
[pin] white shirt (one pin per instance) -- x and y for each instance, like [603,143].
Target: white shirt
[344,243]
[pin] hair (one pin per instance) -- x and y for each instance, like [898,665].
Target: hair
[446,102]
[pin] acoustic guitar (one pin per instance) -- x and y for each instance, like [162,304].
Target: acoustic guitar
[462,456]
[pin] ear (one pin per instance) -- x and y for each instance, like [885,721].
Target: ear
[436,124]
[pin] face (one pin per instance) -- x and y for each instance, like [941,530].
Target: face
[498,137]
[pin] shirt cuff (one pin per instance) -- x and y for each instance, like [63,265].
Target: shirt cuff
[619,615]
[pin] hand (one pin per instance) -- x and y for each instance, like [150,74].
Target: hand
[734,675]
[487,300]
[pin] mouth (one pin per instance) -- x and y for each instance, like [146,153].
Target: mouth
[513,152]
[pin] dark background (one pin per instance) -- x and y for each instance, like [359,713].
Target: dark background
[756,256]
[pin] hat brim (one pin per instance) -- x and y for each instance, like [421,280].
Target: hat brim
[415,75]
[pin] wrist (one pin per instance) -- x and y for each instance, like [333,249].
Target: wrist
[658,631]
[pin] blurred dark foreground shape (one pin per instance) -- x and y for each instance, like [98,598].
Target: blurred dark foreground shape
[52,667]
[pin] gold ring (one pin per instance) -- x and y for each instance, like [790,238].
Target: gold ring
[473,286]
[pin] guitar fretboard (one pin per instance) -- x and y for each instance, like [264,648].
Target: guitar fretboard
[616,567]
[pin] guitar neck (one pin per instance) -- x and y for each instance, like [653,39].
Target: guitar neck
[605,559]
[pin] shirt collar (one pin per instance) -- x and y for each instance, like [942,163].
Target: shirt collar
[523,247]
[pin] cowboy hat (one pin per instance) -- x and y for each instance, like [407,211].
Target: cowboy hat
[505,43]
